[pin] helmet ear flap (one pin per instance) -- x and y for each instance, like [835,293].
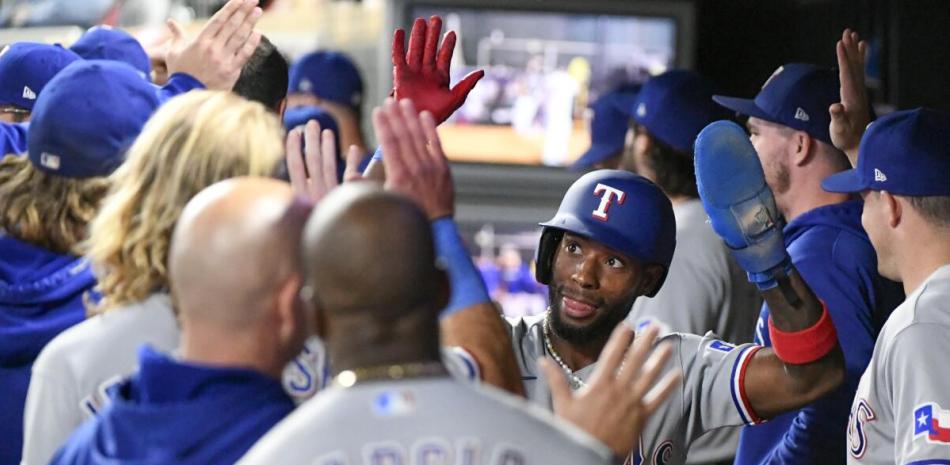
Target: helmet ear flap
[547,246]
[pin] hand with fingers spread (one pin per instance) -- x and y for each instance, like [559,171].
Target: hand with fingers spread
[622,392]
[850,117]
[422,75]
[312,161]
[415,164]
[215,57]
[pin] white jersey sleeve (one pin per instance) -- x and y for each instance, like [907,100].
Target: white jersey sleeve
[714,383]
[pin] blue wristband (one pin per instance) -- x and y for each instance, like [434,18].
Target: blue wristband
[466,282]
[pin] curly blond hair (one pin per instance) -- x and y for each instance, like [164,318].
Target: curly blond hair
[192,142]
[49,211]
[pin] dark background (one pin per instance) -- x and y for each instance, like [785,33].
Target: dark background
[740,42]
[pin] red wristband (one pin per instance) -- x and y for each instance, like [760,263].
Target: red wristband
[805,346]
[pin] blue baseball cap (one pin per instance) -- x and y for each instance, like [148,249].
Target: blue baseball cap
[108,43]
[328,75]
[608,126]
[675,106]
[26,68]
[302,115]
[797,95]
[88,116]
[904,153]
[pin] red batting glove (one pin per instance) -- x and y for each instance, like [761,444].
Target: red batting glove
[422,77]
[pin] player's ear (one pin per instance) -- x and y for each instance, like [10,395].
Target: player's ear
[802,148]
[291,319]
[893,209]
[651,277]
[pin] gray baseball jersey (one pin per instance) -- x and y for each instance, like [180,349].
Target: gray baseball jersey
[422,421]
[712,394]
[705,290]
[901,411]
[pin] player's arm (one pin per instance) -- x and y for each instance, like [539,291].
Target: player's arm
[805,360]
[417,168]
[917,386]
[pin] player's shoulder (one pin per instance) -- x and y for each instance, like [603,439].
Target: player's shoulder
[928,305]
[101,335]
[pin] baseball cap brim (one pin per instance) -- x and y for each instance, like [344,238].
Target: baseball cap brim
[845,182]
[596,154]
[743,106]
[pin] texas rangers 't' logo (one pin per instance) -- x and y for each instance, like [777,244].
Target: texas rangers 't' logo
[606,194]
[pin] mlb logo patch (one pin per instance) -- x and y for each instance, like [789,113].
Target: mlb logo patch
[394,403]
[933,422]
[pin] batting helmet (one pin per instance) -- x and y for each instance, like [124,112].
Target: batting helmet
[618,209]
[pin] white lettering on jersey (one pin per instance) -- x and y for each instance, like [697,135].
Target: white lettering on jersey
[384,453]
[606,194]
[857,436]
[431,451]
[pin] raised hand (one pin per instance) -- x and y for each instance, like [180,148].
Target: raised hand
[215,57]
[312,163]
[422,75]
[622,392]
[850,117]
[414,162]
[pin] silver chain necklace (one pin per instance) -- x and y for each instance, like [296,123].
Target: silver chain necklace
[576,381]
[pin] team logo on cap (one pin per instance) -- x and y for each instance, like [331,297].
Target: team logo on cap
[306,85]
[606,194]
[28,93]
[642,109]
[801,115]
[879,175]
[48,160]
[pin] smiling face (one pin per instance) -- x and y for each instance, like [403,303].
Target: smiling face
[593,288]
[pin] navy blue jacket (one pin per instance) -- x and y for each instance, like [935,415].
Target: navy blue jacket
[180,413]
[834,256]
[41,294]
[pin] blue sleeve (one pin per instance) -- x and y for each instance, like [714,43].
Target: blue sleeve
[840,270]
[178,83]
[467,286]
[13,138]
[378,154]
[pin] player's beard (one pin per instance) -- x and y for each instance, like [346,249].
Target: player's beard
[606,319]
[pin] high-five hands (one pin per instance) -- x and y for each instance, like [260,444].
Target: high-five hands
[414,162]
[622,392]
[422,74]
[850,117]
[215,57]
[312,161]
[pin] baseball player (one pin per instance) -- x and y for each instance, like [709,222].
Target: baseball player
[330,80]
[191,142]
[377,297]
[611,242]
[705,289]
[608,131]
[788,122]
[234,277]
[47,199]
[108,43]
[899,414]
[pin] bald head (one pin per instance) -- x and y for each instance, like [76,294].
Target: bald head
[234,246]
[367,250]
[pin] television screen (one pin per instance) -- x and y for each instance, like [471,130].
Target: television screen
[542,69]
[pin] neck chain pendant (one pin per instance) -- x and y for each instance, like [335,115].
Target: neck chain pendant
[575,381]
